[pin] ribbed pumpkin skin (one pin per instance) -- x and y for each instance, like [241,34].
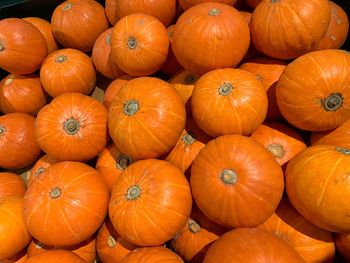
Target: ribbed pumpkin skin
[313,92]
[21,94]
[312,243]
[139,44]
[186,4]
[11,185]
[45,29]
[164,10]
[342,243]
[39,167]
[66,204]
[54,256]
[13,233]
[17,141]
[325,170]
[67,70]
[228,186]
[228,101]
[152,195]
[206,38]
[152,255]
[251,245]
[113,88]
[147,118]
[273,26]
[78,23]
[21,55]
[72,127]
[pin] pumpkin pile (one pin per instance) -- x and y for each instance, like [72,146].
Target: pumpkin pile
[176,131]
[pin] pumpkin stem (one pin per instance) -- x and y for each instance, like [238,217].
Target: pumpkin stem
[332,102]
[2,130]
[9,80]
[67,6]
[189,138]
[225,89]
[61,59]
[123,161]
[39,171]
[193,226]
[111,243]
[39,245]
[274,1]
[71,126]
[228,176]
[214,12]
[2,46]
[276,149]
[190,79]
[132,43]
[258,77]
[55,192]
[343,150]
[131,107]
[134,192]
[108,39]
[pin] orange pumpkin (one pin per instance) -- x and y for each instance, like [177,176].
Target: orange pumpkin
[113,88]
[317,186]
[22,47]
[164,10]
[273,26]
[78,23]
[45,29]
[54,256]
[13,233]
[66,204]
[11,185]
[67,70]
[227,101]
[146,118]
[193,241]
[72,127]
[250,245]
[21,94]
[222,41]
[312,243]
[101,56]
[139,44]
[186,4]
[17,141]
[228,186]
[152,195]
[152,255]
[342,243]
[39,167]
[111,248]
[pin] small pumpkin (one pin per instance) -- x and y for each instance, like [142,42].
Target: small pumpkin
[186,4]
[11,185]
[113,88]
[39,167]
[152,255]
[54,256]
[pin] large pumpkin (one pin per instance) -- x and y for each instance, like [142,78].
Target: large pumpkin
[228,101]
[72,127]
[67,70]
[313,92]
[54,256]
[250,245]
[146,118]
[152,255]
[186,4]
[139,44]
[66,204]
[18,144]
[151,196]
[228,186]
[274,23]
[22,47]
[78,23]
[222,41]
[11,185]
[317,186]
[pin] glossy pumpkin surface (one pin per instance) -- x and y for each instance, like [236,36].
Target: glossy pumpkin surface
[11,185]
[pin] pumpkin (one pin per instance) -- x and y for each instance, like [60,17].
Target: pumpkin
[235,102]
[139,44]
[78,23]
[253,3]
[191,141]
[72,127]
[152,255]
[228,186]
[193,241]
[250,245]
[111,248]
[13,233]
[45,29]
[111,163]
[313,91]
[152,195]
[11,185]
[54,256]
[22,47]
[342,243]
[222,41]
[66,204]
[147,118]
[186,4]
[113,88]
[101,56]
[21,94]
[164,10]
[67,70]
[338,29]
[312,243]
[317,186]
[39,167]
[274,23]
[17,141]
[283,145]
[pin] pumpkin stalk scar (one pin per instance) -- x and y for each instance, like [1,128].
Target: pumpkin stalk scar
[214,12]
[55,192]
[132,43]
[61,59]
[193,226]
[333,102]
[343,150]
[225,89]
[276,149]
[131,107]
[2,130]
[123,161]
[108,39]
[228,177]
[71,126]
[67,6]
[134,192]
[111,243]
[190,79]
[2,46]
[189,138]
